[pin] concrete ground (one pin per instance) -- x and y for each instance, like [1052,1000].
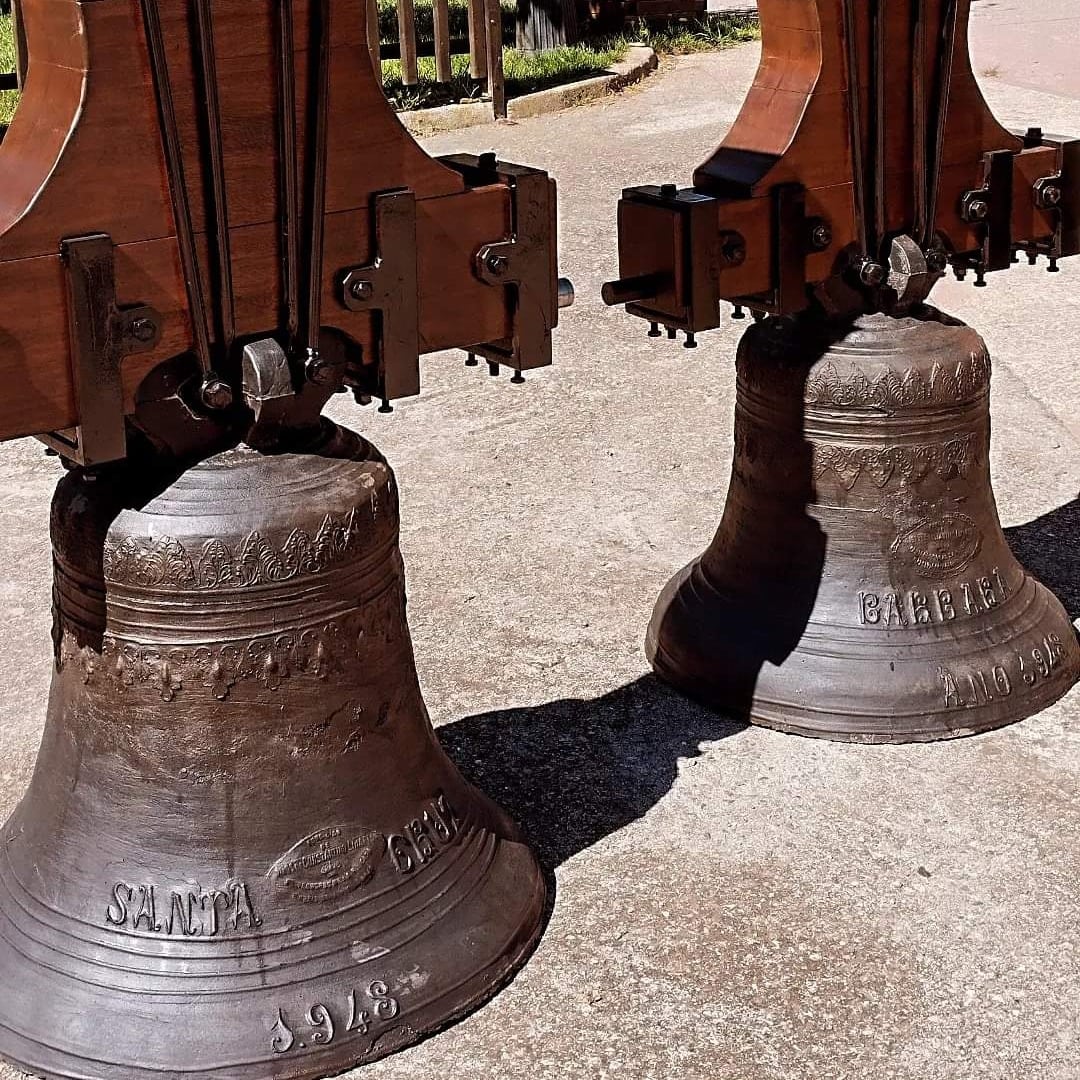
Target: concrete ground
[730,903]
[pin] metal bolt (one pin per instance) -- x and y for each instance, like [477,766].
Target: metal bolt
[820,236]
[654,329]
[1053,268]
[471,360]
[980,278]
[671,333]
[488,161]
[386,407]
[737,312]
[1048,194]
[497,264]
[318,371]
[691,341]
[360,290]
[493,368]
[668,191]
[733,250]
[936,261]
[974,209]
[216,393]
[517,377]
[143,329]
[871,273]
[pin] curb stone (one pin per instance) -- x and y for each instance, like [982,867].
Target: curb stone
[639,63]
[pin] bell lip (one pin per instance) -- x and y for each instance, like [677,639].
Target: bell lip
[861,737]
[855,728]
[330,1062]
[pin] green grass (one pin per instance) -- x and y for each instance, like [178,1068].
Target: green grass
[524,73]
[697,34]
[9,99]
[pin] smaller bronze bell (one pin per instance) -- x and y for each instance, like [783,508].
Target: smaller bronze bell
[243,852]
[859,586]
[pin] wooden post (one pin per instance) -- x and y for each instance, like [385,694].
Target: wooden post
[440,14]
[546,24]
[407,39]
[373,39]
[478,51]
[496,85]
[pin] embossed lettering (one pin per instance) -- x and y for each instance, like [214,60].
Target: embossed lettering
[952,690]
[986,587]
[945,605]
[969,599]
[116,914]
[920,608]
[329,863]
[422,839]
[894,610]
[322,1031]
[147,910]
[400,852]
[418,833]
[192,911]
[869,608]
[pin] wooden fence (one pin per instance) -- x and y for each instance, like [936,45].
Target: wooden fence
[484,45]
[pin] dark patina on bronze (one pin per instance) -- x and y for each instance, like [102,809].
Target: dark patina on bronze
[859,586]
[243,852]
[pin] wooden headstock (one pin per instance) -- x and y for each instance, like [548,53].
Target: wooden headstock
[184,177]
[864,161]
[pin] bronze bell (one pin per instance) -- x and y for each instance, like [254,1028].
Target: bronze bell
[243,852]
[859,586]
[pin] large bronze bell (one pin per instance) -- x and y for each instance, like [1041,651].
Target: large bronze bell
[243,853]
[859,586]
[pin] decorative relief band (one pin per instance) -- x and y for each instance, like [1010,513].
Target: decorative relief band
[895,390]
[166,562]
[269,659]
[911,464]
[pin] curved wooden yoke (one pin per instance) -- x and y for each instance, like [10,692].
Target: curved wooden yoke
[864,160]
[184,177]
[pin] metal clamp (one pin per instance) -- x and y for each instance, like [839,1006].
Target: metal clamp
[526,260]
[388,288]
[101,335]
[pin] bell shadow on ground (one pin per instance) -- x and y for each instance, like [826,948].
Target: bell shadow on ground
[573,771]
[1049,547]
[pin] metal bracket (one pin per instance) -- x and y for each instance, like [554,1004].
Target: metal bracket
[101,335]
[526,260]
[989,210]
[671,253]
[388,287]
[1067,241]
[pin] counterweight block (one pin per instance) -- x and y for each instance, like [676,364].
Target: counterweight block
[243,853]
[860,586]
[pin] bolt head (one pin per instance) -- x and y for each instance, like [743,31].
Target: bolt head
[216,393]
[871,273]
[497,264]
[668,191]
[1048,196]
[360,290]
[936,260]
[821,236]
[143,330]
[976,209]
